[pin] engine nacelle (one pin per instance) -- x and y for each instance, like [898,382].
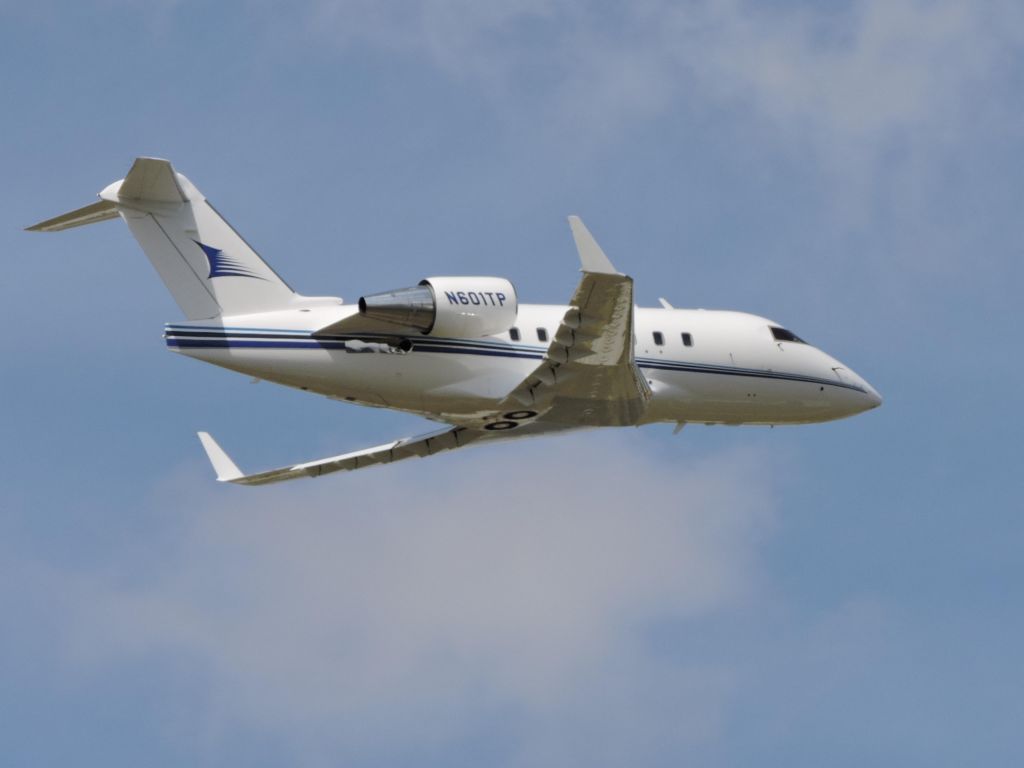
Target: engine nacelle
[448,306]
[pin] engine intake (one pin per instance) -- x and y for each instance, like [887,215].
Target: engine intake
[447,306]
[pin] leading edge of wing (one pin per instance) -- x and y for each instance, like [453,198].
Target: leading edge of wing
[405,448]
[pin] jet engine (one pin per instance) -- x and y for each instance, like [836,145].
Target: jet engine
[447,306]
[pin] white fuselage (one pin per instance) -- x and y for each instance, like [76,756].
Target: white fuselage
[734,371]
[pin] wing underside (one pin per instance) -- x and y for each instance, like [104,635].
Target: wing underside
[406,448]
[588,376]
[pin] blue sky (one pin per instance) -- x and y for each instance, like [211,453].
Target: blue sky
[842,594]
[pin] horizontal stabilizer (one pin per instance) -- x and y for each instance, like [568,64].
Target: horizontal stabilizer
[210,270]
[90,214]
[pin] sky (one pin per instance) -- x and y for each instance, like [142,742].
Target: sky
[842,594]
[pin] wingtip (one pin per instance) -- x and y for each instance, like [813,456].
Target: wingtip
[227,471]
[592,258]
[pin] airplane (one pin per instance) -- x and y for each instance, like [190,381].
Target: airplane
[463,350]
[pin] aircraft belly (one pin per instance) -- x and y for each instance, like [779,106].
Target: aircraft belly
[421,382]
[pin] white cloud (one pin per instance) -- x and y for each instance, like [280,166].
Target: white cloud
[872,68]
[420,598]
[849,83]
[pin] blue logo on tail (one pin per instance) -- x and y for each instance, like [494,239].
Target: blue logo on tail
[222,265]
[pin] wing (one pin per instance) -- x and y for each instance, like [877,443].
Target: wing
[588,376]
[406,448]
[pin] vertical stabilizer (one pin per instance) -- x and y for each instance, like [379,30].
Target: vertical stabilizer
[207,266]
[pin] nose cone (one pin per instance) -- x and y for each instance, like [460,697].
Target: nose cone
[873,398]
[852,395]
[865,397]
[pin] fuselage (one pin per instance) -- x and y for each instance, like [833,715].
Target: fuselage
[706,366]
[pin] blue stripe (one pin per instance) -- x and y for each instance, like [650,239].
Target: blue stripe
[422,343]
[230,343]
[748,372]
[214,337]
[525,355]
[222,328]
[270,342]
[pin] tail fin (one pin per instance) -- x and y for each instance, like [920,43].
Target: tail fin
[205,264]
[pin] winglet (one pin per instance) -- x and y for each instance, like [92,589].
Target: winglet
[222,464]
[592,258]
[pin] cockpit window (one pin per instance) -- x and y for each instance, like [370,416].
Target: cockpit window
[781,334]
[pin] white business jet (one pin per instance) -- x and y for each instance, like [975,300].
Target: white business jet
[463,350]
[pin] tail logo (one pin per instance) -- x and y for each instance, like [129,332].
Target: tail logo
[222,265]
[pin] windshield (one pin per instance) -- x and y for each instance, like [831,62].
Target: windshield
[781,334]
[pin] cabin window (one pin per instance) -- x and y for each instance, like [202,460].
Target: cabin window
[658,338]
[513,333]
[542,334]
[687,340]
[781,334]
